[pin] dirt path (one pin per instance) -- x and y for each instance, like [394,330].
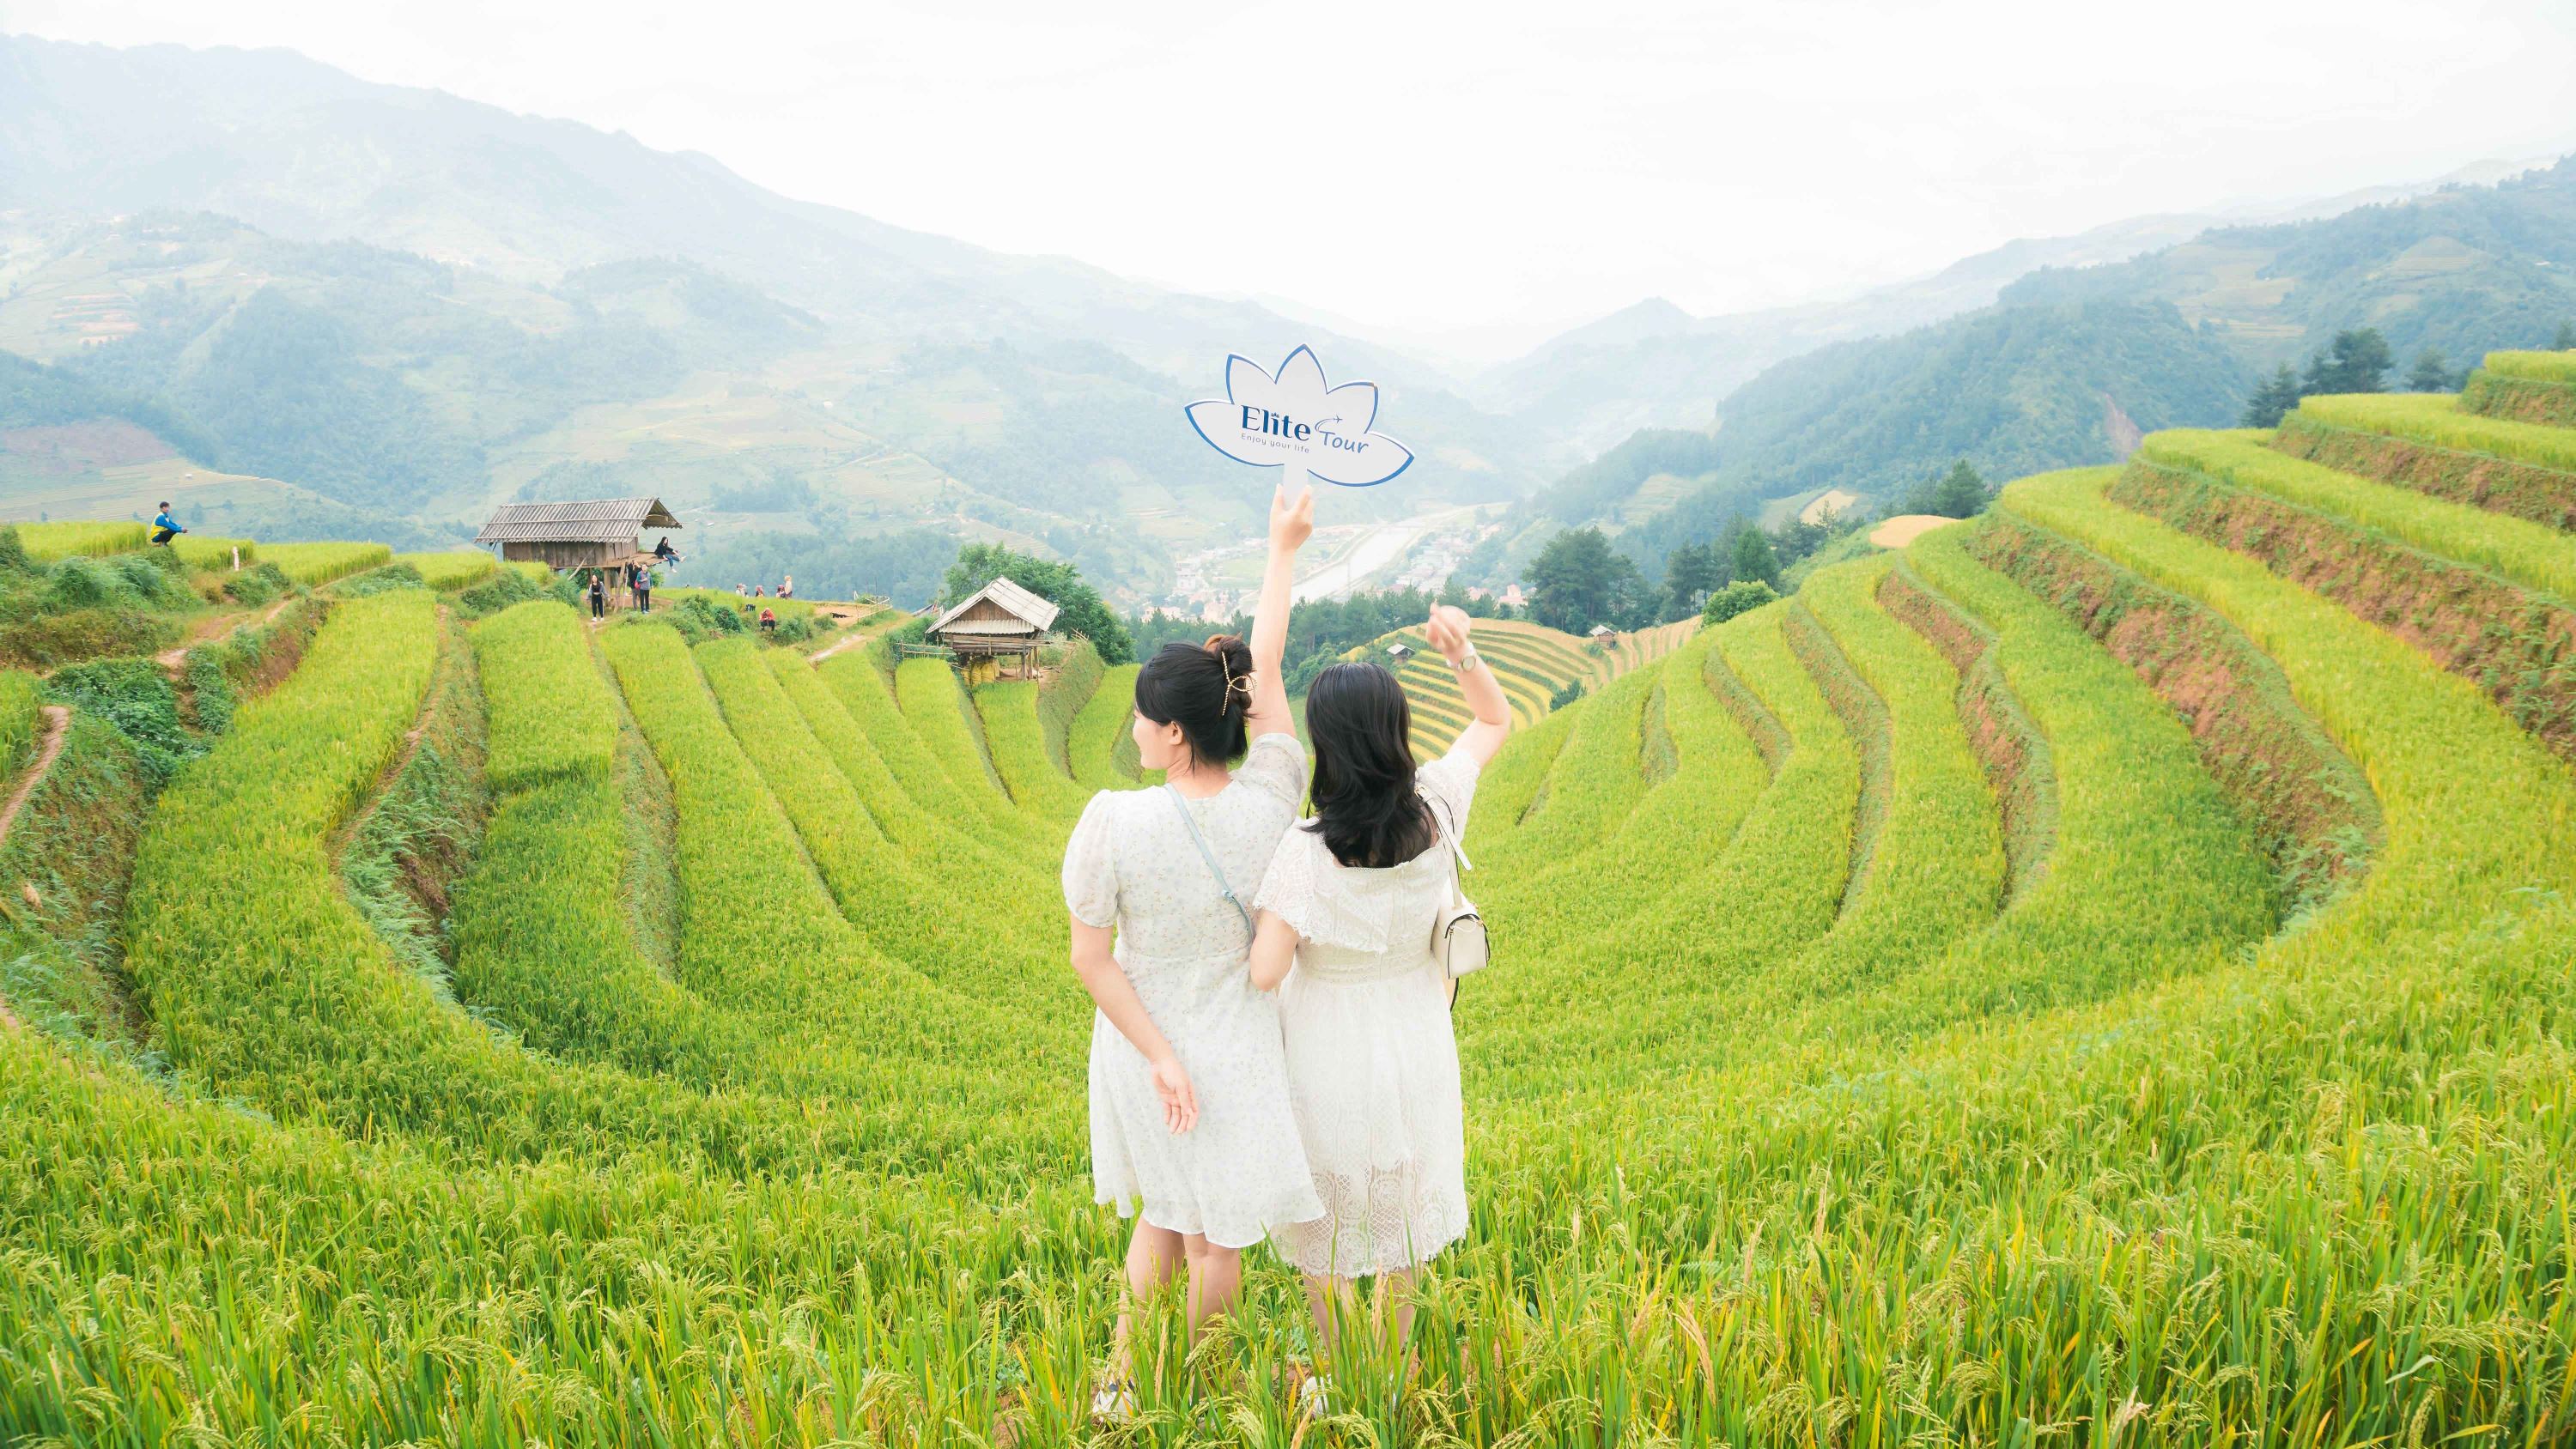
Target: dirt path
[58,718]
[852,642]
[1904,528]
[215,628]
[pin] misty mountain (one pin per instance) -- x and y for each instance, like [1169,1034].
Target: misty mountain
[1653,364]
[462,304]
[2071,365]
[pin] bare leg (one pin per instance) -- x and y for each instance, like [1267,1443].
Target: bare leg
[1216,1278]
[1155,1257]
[1332,1301]
[1396,1289]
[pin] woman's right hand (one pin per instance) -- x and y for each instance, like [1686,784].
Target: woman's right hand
[1447,630]
[1180,1104]
[1292,520]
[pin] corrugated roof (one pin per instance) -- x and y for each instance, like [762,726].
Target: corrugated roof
[1019,601]
[594,520]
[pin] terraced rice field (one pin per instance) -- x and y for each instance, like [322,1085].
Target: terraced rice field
[315,564]
[215,553]
[1532,661]
[451,568]
[2101,974]
[46,542]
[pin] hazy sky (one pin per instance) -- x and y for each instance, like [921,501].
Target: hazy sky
[1482,171]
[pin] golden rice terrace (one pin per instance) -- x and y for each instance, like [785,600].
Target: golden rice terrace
[2102,975]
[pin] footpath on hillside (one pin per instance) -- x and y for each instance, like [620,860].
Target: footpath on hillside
[58,719]
[58,723]
[217,627]
[1904,528]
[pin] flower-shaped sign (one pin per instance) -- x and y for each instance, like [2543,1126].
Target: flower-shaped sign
[1294,418]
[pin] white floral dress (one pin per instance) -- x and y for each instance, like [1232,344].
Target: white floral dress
[1238,1174]
[1372,1063]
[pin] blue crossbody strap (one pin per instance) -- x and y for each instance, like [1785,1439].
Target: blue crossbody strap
[1191,824]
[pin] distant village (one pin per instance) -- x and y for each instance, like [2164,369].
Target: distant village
[1203,588]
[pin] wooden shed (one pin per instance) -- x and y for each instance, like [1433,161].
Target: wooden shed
[596,533]
[998,621]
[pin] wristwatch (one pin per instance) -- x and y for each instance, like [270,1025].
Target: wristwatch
[1466,661]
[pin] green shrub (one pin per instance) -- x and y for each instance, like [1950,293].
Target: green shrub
[503,589]
[379,581]
[256,585]
[1740,597]
[51,639]
[139,700]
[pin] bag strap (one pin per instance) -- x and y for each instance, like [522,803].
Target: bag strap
[1449,837]
[1224,887]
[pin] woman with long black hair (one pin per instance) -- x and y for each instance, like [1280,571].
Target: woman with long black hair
[1349,902]
[1190,1128]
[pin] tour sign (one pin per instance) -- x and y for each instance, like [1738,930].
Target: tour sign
[1293,419]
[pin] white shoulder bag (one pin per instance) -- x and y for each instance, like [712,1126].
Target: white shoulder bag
[1458,940]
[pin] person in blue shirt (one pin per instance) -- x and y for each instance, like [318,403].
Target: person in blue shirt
[164,527]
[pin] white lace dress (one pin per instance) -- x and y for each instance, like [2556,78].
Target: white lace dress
[1372,1063]
[1238,1174]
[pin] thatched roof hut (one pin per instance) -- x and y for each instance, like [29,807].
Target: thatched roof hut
[1000,619]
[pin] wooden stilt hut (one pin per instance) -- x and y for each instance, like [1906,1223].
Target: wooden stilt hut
[597,533]
[1000,621]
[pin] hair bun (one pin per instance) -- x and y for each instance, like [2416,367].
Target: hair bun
[1234,657]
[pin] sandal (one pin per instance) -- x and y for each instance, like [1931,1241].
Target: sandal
[1113,1401]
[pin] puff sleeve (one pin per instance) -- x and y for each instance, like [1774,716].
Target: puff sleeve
[1449,785]
[1306,888]
[1091,865]
[1276,766]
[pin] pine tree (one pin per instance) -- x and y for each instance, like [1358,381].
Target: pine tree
[2566,337]
[2274,399]
[2432,372]
[1960,494]
[1578,581]
[2356,361]
[1691,573]
[1753,557]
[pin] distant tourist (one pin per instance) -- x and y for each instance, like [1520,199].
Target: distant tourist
[1354,900]
[742,591]
[665,552]
[1164,876]
[598,595]
[164,527]
[642,578]
[760,591]
[787,586]
[768,620]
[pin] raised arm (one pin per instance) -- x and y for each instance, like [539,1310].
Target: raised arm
[1292,521]
[1447,630]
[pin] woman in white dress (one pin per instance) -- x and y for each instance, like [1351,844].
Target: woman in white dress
[1349,902]
[1189,1091]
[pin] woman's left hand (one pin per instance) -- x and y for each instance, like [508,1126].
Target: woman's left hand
[1292,520]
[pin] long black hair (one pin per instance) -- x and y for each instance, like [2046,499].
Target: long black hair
[1206,689]
[1365,805]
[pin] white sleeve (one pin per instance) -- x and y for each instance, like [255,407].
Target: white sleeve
[1449,784]
[1091,866]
